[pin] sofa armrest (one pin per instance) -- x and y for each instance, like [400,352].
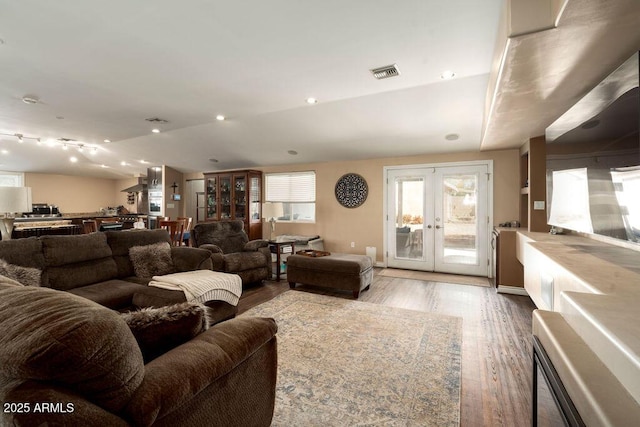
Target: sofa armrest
[216,255]
[232,363]
[254,245]
[186,258]
[214,249]
[70,409]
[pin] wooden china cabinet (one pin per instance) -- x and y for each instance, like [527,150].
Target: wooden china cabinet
[235,195]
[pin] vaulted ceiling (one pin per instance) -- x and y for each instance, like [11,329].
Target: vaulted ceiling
[91,72]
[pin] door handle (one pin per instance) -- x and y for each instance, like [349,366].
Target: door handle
[438,227]
[429,226]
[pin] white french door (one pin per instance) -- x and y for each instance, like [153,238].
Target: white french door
[437,219]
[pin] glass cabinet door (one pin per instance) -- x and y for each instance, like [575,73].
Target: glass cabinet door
[239,197]
[254,199]
[212,200]
[225,197]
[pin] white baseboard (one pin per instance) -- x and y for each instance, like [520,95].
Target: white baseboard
[513,290]
[379,264]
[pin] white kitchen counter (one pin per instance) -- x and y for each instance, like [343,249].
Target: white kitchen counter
[596,289]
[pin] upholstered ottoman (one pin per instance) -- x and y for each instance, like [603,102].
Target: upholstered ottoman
[337,271]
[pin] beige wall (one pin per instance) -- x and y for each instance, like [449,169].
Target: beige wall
[77,194]
[172,208]
[339,226]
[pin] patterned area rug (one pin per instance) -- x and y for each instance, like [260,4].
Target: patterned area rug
[344,363]
[435,277]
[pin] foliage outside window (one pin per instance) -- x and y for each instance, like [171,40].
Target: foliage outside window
[297,193]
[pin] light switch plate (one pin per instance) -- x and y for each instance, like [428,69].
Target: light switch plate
[538,205]
[170,205]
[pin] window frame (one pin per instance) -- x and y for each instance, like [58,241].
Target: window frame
[288,203]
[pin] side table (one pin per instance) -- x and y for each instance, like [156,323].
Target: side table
[280,247]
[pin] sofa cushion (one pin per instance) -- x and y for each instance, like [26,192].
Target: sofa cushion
[25,252]
[228,235]
[240,261]
[63,250]
[79,260]
[27,276]
[152,260]
[158,330]
[121,241]
[7,282]
[48,335]
[115,293]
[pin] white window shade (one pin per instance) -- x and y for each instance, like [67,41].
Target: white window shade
[291,187]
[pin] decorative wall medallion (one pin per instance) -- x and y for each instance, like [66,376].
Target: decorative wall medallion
[351,190]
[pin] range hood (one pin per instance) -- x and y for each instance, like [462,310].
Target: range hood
[139,187]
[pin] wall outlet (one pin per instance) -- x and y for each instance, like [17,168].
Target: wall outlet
[353,244]
[538,205]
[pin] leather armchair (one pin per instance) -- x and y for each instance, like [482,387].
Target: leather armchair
[231,250]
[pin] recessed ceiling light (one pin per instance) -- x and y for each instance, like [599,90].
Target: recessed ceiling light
[155,130]
[448,74]
[220,117]
[94,150]
[452,137]
[144,162]
[312,101]
[123,163]
[214,160]
[107,140]
[104,166]
[73,159]
[293,152]
[4,152]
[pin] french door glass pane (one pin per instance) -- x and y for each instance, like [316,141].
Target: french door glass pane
[460,218]
[409,217]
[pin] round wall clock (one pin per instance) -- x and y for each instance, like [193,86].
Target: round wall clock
[351,190]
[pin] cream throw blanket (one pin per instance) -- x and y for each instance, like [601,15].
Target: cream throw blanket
[202,285]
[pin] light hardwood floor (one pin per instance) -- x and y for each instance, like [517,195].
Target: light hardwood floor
[496,347]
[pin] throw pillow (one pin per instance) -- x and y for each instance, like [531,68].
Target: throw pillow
[27,276]
[152,260]
[158,330]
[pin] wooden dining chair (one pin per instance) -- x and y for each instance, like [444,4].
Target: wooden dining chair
[175,229]
[186,238]
[89,226]
[161,218]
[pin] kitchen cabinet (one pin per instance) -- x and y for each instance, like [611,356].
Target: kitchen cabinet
[509,272]
[235,195]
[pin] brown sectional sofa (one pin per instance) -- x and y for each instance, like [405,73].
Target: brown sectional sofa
[65,360]
[97,266]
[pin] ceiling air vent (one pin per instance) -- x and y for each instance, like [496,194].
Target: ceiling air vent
[156,120]
[385,72]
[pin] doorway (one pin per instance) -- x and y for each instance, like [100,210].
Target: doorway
[438,216]
[194,200]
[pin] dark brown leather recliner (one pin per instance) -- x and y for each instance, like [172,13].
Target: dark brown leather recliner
[231,250]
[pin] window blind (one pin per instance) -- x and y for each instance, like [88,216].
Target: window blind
[291,187]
